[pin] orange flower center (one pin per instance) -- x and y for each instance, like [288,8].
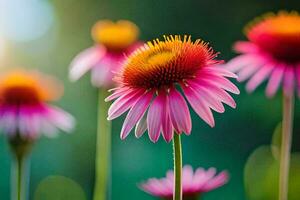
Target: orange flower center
[278,35]
[23,88]
[115,36]
[164,63]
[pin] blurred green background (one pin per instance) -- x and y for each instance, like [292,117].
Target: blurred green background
[53,32]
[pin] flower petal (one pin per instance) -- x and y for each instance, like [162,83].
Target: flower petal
[167,128]
[123,103]
[155,116]
[259,77]
[85,61]
[274,81]
[199,106]
[141,126]
[289,80]
[220,82]
[136,113]
[179,112]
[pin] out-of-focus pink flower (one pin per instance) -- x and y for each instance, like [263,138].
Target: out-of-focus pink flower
[24,110]
[194,184]
[113,42]
[148,88]
[271,52]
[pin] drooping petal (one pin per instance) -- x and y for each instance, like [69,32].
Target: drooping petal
[117,93]
[155,116]
[60,118]
[179,112]
[219,93]
[208,97]
[123,103]
[135,113]
[167,128]
[239,62]
[85,61]
[245,47]
[220,70]
[141,126]
[248,70]
[220,82]
[259,77]
[289,80]
[274,81]
[199,106]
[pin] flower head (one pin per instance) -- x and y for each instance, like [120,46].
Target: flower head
[113,41]
[148,87]
[194,184]
[272,50]
[24,110]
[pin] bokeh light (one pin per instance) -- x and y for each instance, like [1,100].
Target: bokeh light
[23,21]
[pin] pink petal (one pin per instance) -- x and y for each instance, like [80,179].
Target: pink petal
[247,71]
[220,71]
[219,93]
[155,116]
[117,93]
[136,113]
[60,118]
[101,74]
[221,82]
[199,106]
[123,103]
[179,112]
[208,97]
[216,181]
[141,126]
[85,61]
[259,77]
[245,47]
[239,62]
[274,81]
[167,128]
[289,80]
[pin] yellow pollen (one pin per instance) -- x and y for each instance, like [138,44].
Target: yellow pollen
[160,58]
[115,36]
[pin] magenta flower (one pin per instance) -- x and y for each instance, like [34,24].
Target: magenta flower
[148,88]
[113,42]
[194,184]
[23,107]
[271,52]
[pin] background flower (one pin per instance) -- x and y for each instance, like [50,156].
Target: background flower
[273,52]
[24,109]
[113,42]
[194,183]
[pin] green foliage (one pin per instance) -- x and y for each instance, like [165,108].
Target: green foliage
[261,173]
[59,188]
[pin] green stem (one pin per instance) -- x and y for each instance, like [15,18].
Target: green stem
[177,167]
[20,179]
[287,129]
[103,150]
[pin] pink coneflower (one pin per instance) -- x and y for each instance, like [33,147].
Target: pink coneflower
[148,87]
[272,51]
[113,42]
[24,110]
[194,184]
[25,115]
